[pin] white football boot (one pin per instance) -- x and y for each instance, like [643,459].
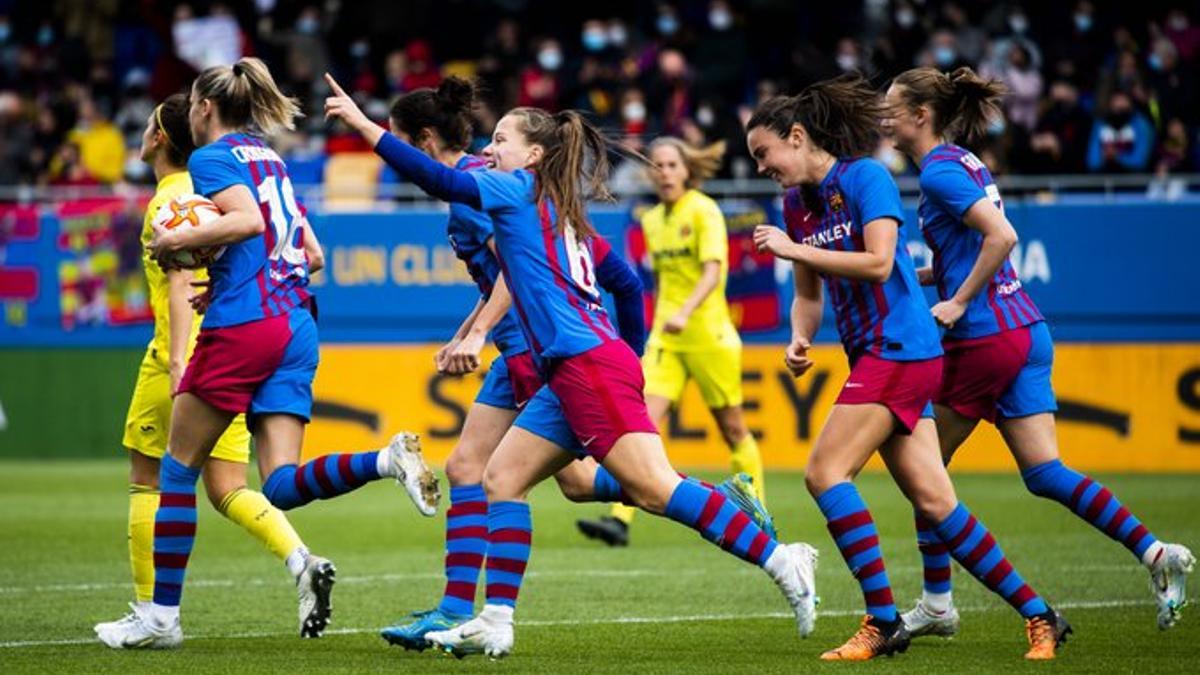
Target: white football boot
[403,461]
[793,567]
[313,589]
[1168,579]
[921,620]
[138,630]
[490,633]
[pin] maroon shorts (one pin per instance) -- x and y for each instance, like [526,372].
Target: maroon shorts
[904,387]
[261,367]
[600,392]
[979,371]
[524,377]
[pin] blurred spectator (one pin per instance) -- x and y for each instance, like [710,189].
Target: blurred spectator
[421,71]
[67,169]
[722,54]
[540,81]
[942,52]
[1125,76]
[897,50]
[670,96]
[1122,139]
[971,41]
[1024,84]
[1185,36]
[1059,143]
[136,106]
[101,149]
[1174,87]
[207,40]
[1175,154]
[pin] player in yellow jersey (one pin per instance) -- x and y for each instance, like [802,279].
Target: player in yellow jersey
[693,335]
[166,146]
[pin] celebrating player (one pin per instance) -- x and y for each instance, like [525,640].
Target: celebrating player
[998,348]
[544,243]
[256,352]
[166,147]
[844,215]
[693,336]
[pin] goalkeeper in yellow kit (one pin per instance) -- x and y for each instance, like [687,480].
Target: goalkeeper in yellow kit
[166,146]
[693,335]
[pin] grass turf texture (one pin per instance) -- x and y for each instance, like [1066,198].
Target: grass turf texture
[669,603]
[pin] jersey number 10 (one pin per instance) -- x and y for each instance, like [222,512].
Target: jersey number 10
[280,199]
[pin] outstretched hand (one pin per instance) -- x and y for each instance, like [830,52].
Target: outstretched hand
[340,106]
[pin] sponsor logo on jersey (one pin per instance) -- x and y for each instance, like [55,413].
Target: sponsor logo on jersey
[828,235]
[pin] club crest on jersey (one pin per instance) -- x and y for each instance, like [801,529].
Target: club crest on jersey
[836,203]
[685,231]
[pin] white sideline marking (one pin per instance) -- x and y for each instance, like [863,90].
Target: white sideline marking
[1084,604]
[364,579]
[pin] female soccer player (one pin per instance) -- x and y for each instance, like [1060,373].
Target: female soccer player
[998,348]
[256,352]
[166,147]
[693,336]
[536,199]
[844,214]
[438,122]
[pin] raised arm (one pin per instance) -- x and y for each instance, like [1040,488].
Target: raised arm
[433,177]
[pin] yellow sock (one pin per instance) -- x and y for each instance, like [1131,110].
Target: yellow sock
[257,516]
[143,504]
[745,458]
[622,513]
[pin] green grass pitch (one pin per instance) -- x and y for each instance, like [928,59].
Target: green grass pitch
[669,603]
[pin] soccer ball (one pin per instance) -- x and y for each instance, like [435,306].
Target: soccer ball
[190,211]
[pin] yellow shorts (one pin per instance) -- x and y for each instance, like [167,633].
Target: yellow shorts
[718,373]
[149,418]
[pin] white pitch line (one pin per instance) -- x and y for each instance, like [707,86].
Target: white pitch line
[692,618]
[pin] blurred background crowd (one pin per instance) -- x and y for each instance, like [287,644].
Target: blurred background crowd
[1095,87]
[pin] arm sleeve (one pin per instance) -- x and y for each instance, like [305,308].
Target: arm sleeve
[950,187]
[503,191]
[615,276]
[440,181]
[213,169]
[874,195]
[712,239]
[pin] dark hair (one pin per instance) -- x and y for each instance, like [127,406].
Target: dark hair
[446,110]
[842,115]
[171,118]
[245,94]
[574,167]
[962,102]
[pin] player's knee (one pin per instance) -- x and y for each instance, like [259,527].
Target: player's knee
[934,507]
[463,469]
[574,490]
[649,497]
[734,433]
[818,479]
[500,486]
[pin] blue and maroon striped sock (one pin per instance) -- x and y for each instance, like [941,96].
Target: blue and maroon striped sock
[974,548]
[1094,503]
[510,534]
[174,529]
[719,521]
[854,532]
[935,558]
[466,546]
[325,477]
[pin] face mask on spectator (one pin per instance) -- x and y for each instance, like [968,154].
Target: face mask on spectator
[944,56]
[634,111]
[1178,22]
[5,31]
[1155,62]
[307,26]
[594,40]
[996,126]
[720,19]
[550,59]
[45,36]
[667,24]
[359,49]
[905,18]
[1083,22]
[847,62]
[617,36]
[705,116]
[1018,23]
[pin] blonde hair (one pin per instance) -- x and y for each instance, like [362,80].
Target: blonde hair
[245,94]
[702,163]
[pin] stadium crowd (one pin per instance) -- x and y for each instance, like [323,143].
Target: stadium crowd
[1094,86]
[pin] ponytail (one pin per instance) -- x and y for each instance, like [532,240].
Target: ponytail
[962,102]
[702,163]
[246,95]
[447,110]
[842,116]
[574,166]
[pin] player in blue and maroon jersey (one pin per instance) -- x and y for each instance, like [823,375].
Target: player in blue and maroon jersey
[592,404]
[998,348]
[256,352]
[844,216]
